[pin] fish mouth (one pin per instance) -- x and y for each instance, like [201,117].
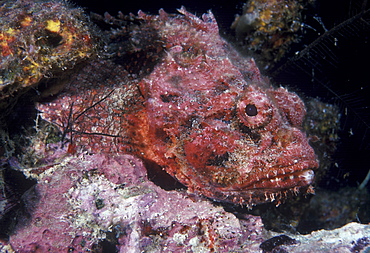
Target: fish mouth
[290,180]
[279,182]
[268,189]
[277,177]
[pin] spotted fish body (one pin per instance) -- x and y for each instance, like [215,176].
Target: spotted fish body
[204,114]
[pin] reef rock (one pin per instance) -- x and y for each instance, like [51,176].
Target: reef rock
[353,237]
[106,203]
[90,201]
[40,39]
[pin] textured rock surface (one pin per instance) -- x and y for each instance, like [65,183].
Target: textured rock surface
[352,237]
[82,199]
[84,202]
[268,28]
[40,39]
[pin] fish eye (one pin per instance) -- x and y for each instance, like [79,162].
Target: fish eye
[251,110]
[255,110]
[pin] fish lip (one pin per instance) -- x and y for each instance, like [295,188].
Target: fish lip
[301,178]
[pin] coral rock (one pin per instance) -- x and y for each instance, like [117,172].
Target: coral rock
[38,39]
[353,237]
[268,28]
[85,198]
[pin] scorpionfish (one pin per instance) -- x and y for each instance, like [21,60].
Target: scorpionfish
[203,113]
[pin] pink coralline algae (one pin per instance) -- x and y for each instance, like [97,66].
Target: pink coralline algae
[85,198]
[203,113]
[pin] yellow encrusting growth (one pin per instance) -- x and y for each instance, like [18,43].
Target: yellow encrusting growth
[268,28]
[42,39]
[53,26]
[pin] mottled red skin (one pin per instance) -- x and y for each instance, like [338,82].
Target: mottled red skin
[191,119]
